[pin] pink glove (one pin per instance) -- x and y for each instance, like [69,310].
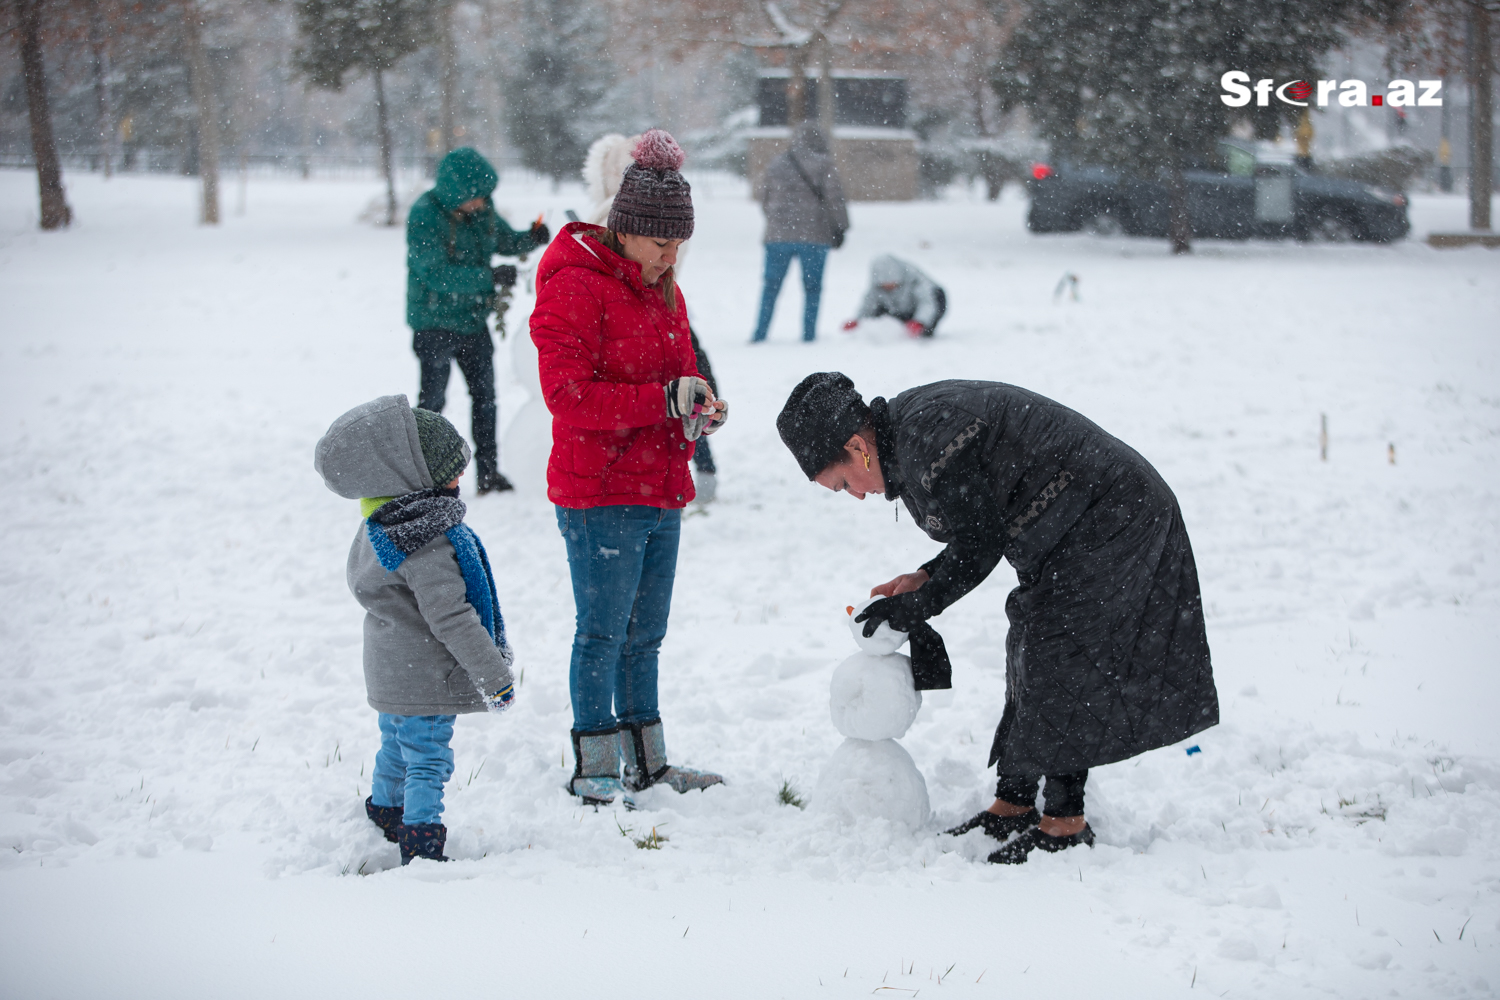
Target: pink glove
[914,328]
[849,324]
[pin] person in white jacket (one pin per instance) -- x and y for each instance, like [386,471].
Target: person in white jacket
[901,290]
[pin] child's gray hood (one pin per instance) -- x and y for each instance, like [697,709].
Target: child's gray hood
[373,451]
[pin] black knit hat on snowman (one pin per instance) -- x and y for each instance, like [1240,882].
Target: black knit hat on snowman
[654,200]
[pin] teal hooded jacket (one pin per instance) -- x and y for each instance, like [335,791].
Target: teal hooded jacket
[448,280]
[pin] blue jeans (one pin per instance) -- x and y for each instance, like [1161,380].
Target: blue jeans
[413,764]
[623,560]
[778,259]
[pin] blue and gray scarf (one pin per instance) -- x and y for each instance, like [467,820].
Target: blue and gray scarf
[404,524]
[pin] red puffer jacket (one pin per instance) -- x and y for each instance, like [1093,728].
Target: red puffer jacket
[608,344]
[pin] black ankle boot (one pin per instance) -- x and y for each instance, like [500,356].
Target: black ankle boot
[388,818]
[1017,851]
[425,840]
[493,482]
[997,826]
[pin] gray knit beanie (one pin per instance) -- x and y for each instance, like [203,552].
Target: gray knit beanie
[443,448]
[653,199]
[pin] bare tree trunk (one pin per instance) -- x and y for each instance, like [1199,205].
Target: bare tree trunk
[448,52]
[1180,224]
[796,87]
[383,129]
[825,88]
[208,112]
[100,46]
[55,211]
[1481,118]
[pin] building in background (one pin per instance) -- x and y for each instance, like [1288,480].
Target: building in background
[874,151]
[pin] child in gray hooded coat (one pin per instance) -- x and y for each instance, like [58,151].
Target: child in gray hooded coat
[435,644]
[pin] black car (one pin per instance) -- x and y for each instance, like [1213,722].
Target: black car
[1260,200]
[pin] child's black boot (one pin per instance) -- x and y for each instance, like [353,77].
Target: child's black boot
[424,840]
[388,818]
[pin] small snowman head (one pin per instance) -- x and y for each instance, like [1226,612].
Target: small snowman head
[886,640]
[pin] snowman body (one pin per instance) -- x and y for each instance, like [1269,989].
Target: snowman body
[527,441]
[872,702]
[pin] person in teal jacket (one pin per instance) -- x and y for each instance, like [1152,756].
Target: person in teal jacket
[452,232]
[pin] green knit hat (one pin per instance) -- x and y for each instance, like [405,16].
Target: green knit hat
[444,449]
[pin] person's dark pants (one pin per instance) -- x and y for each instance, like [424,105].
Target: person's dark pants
[703,459]
[942,308]
[1064,792]
[475,354]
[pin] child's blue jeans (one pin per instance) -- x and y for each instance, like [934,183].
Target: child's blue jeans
[778,258]
[413,764]
[623,560]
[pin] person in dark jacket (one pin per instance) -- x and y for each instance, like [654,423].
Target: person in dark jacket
[1107,655]
[452,232]
[706,482]
[805,215]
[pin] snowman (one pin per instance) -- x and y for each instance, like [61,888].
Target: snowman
[873,701]
[527,442]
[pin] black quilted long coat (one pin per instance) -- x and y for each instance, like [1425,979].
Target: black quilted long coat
[1107,655]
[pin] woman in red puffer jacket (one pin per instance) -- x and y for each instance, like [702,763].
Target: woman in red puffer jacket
[627,405]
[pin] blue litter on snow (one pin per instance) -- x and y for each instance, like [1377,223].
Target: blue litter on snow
[1194,749]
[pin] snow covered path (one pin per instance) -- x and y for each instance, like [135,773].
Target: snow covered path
[184,744]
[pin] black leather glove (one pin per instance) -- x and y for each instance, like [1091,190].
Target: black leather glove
[902,612]
[540,234]
[504,275]
[930,669]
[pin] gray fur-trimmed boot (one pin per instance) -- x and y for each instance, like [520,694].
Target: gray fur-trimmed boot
[596,768]
[644,751]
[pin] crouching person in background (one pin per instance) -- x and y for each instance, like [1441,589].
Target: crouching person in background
[901,290]
[435,643]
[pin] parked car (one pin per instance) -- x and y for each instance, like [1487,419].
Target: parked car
[1254,199]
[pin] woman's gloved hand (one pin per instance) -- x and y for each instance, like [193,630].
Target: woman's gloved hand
[688,396]
[904,613]
[718,416]
[540,234]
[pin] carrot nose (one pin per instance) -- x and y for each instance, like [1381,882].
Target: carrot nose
[849,610]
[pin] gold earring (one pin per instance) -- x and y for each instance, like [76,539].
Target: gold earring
[867,461]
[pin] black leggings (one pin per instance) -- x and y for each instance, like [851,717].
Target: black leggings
[1064,795]
[475,354]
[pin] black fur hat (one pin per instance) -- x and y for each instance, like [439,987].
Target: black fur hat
[820,416]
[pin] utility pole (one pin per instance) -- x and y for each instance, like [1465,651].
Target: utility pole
[1481,116]
[208,115]
[448,51]
[1445,149]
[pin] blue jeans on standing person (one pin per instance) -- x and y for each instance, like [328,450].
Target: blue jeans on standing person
[413,764]
[623,560]
[778,258]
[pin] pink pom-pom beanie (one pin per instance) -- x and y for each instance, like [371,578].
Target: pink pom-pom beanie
[653,199]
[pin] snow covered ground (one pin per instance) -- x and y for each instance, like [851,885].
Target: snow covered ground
[184,743]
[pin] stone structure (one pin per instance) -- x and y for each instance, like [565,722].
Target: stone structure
[874,152]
